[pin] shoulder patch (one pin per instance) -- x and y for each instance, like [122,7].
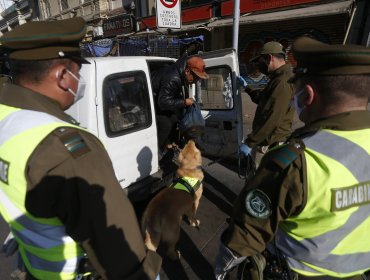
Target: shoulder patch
[73,142]
[258,204]
[286,154]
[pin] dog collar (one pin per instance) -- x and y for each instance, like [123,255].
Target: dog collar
[188,184]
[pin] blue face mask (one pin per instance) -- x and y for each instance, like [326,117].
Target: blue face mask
[81,87]
[297,107]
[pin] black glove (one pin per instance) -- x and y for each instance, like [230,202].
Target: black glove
[225,261]
[10,246]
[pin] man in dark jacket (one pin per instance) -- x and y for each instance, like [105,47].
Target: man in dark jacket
[273,120]
[170,85]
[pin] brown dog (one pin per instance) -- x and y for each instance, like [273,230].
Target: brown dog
[162,217]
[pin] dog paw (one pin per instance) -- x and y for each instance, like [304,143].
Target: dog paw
[175,255]
[194,223]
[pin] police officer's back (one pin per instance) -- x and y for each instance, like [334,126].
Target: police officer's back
[58,190]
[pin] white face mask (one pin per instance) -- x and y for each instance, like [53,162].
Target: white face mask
[80,89]
[297,107]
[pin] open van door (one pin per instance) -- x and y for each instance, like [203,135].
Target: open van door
[221,104]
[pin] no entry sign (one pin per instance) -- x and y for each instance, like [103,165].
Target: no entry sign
[168,13]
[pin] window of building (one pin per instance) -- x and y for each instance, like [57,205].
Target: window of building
[47,8]
[217,91]
[64,4]
[126,103]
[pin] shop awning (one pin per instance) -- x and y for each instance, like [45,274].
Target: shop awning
[334,8]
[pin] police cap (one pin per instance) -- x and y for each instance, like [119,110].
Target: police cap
[39,40]
[271,47]
[316,58]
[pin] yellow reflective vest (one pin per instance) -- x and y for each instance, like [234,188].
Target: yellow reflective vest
[46,250]
[331,235]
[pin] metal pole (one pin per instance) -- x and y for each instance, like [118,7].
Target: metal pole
[236,24]
[350,25]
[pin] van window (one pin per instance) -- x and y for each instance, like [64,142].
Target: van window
[216,92]
[126,103]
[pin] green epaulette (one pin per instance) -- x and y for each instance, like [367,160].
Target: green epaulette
[285,154]
[73,142]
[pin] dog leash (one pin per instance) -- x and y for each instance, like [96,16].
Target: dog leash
[249,169]
[217,160]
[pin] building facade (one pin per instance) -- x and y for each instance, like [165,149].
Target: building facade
[333,21]
[17,14]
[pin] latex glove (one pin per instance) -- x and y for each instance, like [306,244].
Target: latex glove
[225,261]
[242,82]
[245,150]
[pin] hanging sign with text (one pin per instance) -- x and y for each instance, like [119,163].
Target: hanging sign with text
[168,13]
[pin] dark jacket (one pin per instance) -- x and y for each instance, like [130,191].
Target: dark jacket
[168,83]
[274,114]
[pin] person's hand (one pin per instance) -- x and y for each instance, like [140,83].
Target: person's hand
[245,150]
[225,261]
[242,82]
[188,102]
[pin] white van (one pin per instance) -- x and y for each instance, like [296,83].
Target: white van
[118,108]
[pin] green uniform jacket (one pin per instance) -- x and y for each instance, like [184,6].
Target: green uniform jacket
[284,187]
[81,189]
[273,120]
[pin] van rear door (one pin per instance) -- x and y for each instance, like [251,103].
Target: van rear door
[221,104]
[125,116]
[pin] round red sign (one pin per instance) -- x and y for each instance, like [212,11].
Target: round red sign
[169,3]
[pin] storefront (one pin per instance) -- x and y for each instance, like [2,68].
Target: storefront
[262,21]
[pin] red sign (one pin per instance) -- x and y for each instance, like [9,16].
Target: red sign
[259,5]
[169,3]
[202,12]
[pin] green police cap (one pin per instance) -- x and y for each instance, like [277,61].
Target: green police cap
[39,40]
[271,47]
[317,58]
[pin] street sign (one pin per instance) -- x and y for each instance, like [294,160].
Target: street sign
[118,25]
[168,13]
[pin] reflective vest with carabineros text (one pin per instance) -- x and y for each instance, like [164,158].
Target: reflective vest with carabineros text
[331,234]
[46,250]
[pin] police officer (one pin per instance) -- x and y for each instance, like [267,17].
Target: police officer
[273,119]
[58,190]
[310,198]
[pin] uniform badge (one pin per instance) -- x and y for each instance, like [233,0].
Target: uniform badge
[258,204]
[4,171]
[74,143]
